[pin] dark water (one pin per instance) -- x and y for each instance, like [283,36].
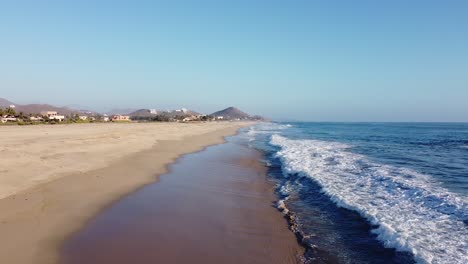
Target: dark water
[372,192]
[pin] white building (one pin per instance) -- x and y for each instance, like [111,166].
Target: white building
[53,115]
[120,118]
[5,119]
[36,118]
[153,112]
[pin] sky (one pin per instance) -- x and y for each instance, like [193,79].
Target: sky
[287,60]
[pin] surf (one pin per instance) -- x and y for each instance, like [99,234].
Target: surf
[411,211]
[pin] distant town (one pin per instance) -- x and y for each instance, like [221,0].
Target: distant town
[14,114]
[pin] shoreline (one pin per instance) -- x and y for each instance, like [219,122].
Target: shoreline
[35,222]
[212,206]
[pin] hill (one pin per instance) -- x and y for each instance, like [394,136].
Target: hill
[121,111]
[173,113]
[231,113]
[37,108]
[4,103]
[141,113]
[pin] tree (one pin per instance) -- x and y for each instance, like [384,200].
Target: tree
[11,111]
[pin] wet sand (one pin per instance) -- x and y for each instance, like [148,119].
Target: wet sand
[214,206]
[34,222]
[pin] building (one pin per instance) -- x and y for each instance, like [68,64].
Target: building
[53,115]
[36,118]
[6,118]
[182,110]
[153,112]
[120,118]
[83,117]
[105,118]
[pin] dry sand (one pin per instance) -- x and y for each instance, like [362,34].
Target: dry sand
[55,178]
[35,154]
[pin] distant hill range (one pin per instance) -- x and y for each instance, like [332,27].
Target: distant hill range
[120,111]
[232,113]
[4,103]
[38,108]
[171,113]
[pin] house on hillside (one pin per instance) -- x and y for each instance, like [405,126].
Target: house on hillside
[83,117]
[120,118]
[53,115]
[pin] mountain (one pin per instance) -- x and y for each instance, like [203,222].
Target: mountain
[121,111]
[81,108]
[231,113]
[4,103]
[173,113]
[37,108]
[141,113]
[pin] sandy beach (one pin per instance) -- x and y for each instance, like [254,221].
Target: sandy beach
[213,206]
[55,178]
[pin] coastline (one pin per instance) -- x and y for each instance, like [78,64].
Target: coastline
[212,206]
[34,222]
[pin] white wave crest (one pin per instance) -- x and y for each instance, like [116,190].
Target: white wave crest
[412,211]
[265,129]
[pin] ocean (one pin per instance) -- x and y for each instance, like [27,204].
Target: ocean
[371,192]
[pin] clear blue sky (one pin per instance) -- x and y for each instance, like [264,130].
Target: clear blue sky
[305,60]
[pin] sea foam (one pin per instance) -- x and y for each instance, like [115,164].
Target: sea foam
[411,210]
[264,129]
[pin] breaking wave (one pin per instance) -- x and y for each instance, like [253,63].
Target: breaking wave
[266,128]
[411,211]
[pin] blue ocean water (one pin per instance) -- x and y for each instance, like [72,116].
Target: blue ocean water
[371,192]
